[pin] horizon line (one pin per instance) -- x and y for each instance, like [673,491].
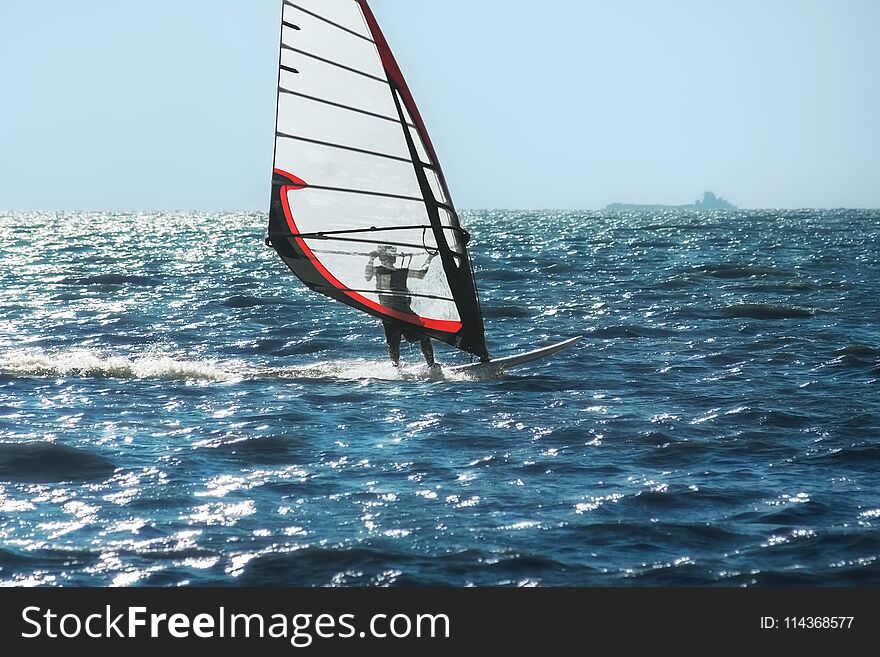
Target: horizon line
[658,208]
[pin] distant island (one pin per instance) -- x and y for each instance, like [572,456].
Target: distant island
[708,202]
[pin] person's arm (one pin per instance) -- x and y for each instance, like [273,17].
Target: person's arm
[370,270]
[421,273]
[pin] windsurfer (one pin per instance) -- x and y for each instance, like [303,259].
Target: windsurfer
[394,280]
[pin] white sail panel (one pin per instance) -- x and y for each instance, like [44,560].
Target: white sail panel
[428,297]
[454,236]
[436,187]
[413,132]
[333,84]
[410,242]
[337,125]
[320,39]
[420,147]
[345,13]
[347,250]
[318,210]
[313,210]
[327,166]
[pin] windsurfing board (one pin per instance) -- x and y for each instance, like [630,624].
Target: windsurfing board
[517,360]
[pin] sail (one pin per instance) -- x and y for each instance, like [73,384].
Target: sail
[360,209]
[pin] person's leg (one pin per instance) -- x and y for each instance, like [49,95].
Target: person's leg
[428,351]
[392,337]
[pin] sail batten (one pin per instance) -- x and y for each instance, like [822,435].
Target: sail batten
[360,209]
[406,245]
[339,105]
[332,63]
[343,147]
[342,190]
[333,233]
[326,20]
[389,292]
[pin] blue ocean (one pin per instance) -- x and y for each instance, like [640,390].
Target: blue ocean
[176,409]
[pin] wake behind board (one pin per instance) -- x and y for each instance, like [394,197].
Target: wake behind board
[511,362]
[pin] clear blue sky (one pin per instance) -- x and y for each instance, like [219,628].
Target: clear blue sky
[170,104]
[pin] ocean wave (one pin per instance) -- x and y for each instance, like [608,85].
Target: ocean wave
[502,275]
[361,370]
[733,270]
[764,311]
[856,355]
[506,311]
[263,450]
[372,565]
[612,533]
[860,456]
[650,244]
[251,302]
[628,331]
[802,513]
[88,364]
[321,566]
[676,453]
[44,462]
[113,279]
[847,576]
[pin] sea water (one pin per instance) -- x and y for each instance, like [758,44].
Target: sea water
[177,409]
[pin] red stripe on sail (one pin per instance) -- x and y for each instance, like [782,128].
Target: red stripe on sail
[298,183]
[394,72]
[446,326]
